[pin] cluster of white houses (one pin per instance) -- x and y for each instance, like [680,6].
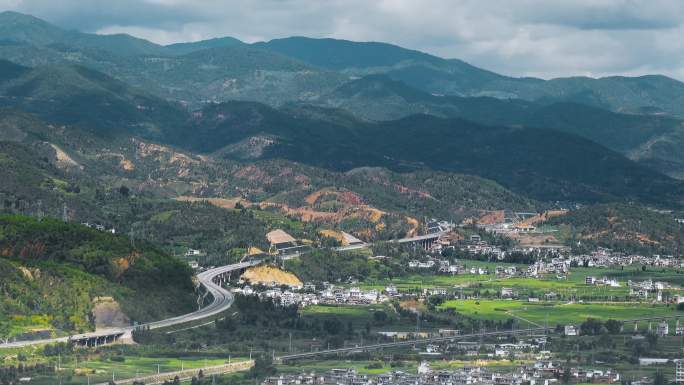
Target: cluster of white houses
[650,290]
[330,295]
[537,373]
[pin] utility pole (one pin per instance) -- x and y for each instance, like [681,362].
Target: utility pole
[546,324]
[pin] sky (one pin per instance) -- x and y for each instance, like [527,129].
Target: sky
[541,38]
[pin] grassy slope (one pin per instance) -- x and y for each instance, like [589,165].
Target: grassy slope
[70,264]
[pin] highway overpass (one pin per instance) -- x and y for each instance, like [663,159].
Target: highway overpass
[424,240]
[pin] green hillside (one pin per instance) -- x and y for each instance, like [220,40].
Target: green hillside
[454,77]
[22,28]
[305,69]
[185,48]
[561,165]
[42,257]
[83,97]
[18,27]
[628,228]
[543,164]
[339,54]
[32,183]
[415,68]
[650,139]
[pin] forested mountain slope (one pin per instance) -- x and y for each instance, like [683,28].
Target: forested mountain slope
[629,228]
[41,258]
[544,164]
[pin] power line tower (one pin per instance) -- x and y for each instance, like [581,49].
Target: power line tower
[417,324]
[39,212]
[481,331]
[131,235]
[65,213]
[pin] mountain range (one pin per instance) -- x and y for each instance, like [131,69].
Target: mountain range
[342,105]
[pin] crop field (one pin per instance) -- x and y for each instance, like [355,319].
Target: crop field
[363,367]
[418,281]
[537,313]
[359,315]
[572,285]
[352,311]
[102,370]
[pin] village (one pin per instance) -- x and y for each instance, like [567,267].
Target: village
[547,264]
[536,373]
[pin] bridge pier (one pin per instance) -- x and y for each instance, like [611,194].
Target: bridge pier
[98,340]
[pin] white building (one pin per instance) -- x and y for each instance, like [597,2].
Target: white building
[679,370]
[663,329]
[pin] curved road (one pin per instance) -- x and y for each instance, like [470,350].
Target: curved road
[223,299]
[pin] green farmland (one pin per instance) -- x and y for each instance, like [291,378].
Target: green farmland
[537,313]
[102,370]
[573,285]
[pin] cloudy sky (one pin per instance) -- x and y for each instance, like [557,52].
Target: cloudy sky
[544,38]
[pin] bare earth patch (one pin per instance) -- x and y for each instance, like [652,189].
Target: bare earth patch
[269,275]
[224,203]
[64,161]
[108,314]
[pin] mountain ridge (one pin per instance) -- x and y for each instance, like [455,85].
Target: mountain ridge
[418,69]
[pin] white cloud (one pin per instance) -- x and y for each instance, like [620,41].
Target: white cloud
[517,37]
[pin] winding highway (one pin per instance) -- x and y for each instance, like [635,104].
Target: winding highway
[222,300]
